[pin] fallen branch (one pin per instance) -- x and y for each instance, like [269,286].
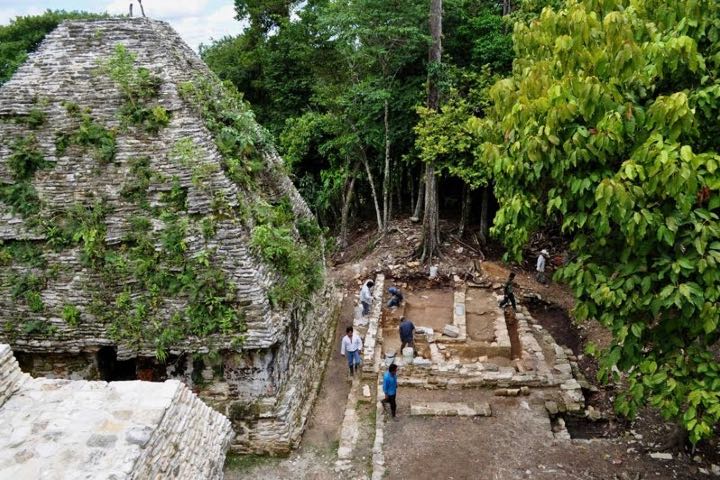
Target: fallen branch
[476,250]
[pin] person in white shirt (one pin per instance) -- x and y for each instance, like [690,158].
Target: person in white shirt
[366,296]
[540,267]
[351,347]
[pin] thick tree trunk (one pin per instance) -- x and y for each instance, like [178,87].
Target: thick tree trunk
[386,174]
[484,224]
[431,219]
[420,199]
[345,211]
[465,209]
[507,7]
[372,190]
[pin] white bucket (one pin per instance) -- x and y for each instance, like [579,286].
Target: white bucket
[433,271]
[408,353]
[389,358]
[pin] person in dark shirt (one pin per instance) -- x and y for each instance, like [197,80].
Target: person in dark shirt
[407,330]
[396,297]
[508,292]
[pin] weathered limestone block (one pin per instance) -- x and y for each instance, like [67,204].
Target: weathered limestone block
[451,331]
[479,409]
[123,430]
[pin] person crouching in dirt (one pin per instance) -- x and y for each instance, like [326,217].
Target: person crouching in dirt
[508,292]
[407,332]
[540,267]
[366,296]
[351,347]
[390,389]
[396,297]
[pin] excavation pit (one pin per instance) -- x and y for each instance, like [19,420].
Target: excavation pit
[482,334]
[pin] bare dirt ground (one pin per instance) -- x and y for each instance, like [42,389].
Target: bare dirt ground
[514,443]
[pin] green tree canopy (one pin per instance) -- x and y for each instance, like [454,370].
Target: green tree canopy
[609,125]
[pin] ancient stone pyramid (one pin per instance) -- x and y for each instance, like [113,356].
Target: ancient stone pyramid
[143,209]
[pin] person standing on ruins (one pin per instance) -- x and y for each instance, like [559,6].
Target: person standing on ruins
[407,330]
[508,292]
[366,296]
[390,389]
[351,347]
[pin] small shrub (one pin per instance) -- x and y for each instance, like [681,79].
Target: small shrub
[88,134]
[71,315]
[208,227]
[34,301]
[21,197]
[25,158]
[139,88]
[39,327]
[176,198]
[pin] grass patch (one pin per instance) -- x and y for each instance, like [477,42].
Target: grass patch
[237,462]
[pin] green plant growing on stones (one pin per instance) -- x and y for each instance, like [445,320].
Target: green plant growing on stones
[88,134]
[237,136]
[23,252]
[38,327]
[24,160]
[71,315]
[208,227]
[139,87]
[34,301]
[141,176]
[299,265]
[176,197]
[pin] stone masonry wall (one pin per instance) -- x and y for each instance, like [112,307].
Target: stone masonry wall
[267,394]
[11,378]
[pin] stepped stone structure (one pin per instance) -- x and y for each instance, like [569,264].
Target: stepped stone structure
[87,181]
[124,430]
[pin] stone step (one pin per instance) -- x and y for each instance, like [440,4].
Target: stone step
[451,409]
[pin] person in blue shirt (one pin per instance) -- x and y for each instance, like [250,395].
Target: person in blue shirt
[390,389]
[396,297]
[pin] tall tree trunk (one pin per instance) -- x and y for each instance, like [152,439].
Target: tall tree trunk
[507,7]
[484,224]
[464,209]
[398,192]
[386,174]
[420,198]
[431,219]
[411,187]
[345,211]
[363,156]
